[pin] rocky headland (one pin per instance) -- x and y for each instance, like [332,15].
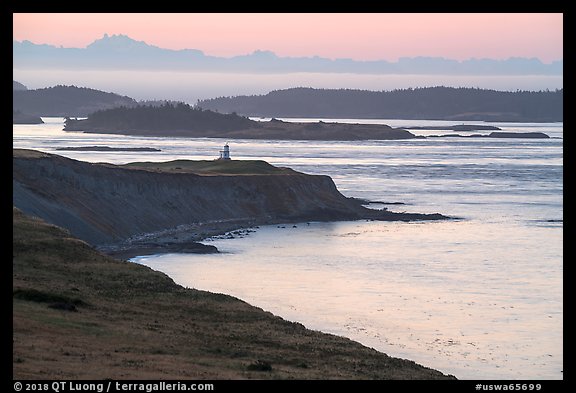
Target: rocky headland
[153,207]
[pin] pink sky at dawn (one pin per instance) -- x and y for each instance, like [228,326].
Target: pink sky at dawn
[357,36]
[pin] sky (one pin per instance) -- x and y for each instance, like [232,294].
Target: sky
[359,36]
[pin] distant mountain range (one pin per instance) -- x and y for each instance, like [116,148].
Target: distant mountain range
[431,103]
[122,52]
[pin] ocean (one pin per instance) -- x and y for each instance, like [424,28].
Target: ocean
[479,297]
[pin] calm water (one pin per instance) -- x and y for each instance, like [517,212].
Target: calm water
[480,297]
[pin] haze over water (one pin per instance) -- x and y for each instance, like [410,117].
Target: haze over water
[479,297]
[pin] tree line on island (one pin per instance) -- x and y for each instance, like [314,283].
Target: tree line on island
[62,101]
[427,103]
[431,103]
[166,117]
[66,101]
[181,119]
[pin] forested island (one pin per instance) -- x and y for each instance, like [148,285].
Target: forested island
[65,101]
[182,120]
[427,103]
[430,103]
[25,118]
[168,118]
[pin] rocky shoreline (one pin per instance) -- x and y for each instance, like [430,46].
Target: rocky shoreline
[182,239]
[187,238]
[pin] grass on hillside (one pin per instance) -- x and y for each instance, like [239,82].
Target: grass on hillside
[213,167]
[131,322]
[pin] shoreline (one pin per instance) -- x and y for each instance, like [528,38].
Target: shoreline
[188,238]
[99,317]
[182,239]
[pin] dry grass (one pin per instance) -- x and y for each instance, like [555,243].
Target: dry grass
[213,167]
[135,323]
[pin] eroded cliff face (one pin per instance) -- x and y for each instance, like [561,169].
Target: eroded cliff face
[104,204]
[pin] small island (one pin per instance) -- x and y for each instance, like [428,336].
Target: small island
[182,120]
[458,127]
[523,135]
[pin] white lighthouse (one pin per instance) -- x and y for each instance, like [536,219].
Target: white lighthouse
[225,153]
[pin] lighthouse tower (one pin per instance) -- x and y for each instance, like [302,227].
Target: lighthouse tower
[225,153]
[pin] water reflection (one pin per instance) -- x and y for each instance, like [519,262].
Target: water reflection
[450,295]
